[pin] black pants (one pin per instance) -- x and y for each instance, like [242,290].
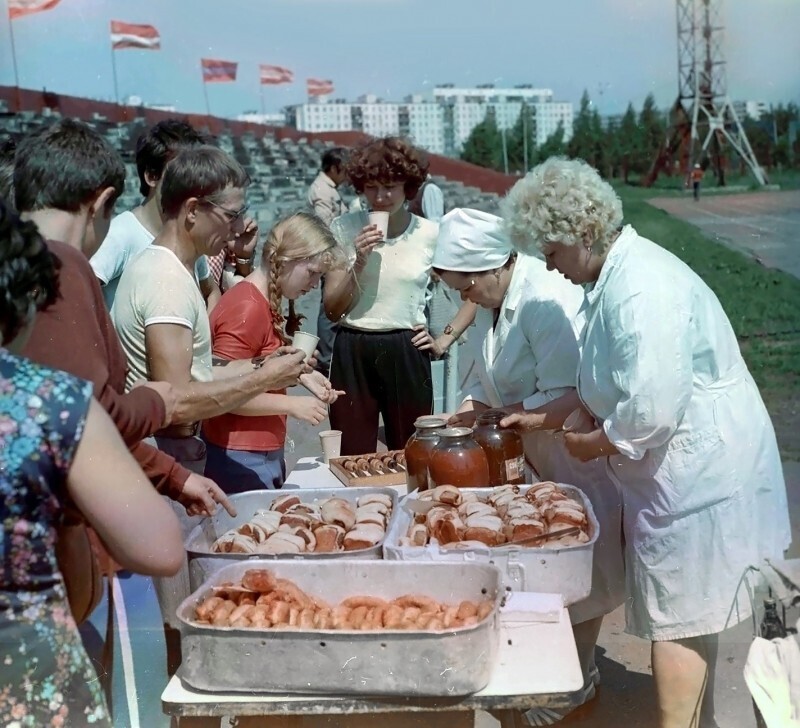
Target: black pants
[381,373]
[326,330]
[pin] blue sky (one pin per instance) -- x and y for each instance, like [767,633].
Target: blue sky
[619,50]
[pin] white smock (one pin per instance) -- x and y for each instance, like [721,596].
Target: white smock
[699,469]
[531,356]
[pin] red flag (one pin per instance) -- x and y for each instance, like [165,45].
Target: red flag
[215,71]
[273,75]
[318,87]
[131,35]
[18,8]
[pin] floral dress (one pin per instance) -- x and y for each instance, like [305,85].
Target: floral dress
[46,677]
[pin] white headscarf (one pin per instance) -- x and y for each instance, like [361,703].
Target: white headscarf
[471,241]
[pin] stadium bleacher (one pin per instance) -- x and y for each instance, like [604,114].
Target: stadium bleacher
[282,162]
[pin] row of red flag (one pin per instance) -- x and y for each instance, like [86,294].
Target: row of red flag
[147,37]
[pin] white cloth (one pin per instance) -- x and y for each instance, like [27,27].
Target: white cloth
[471,241]
[126,238]
[700,474]
[772,674]
[155,289]
[432,202]
[531,356]
[394,281]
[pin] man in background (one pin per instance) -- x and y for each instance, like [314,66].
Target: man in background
[428,202]
[326,202]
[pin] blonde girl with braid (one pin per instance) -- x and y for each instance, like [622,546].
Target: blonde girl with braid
[245,448]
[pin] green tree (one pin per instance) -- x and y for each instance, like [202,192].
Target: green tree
[519,139]
[582,143]
[484,145]
[629,141]
[553,146]
[652,130]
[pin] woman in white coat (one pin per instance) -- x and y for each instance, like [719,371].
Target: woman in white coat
[681,425]
[527,331]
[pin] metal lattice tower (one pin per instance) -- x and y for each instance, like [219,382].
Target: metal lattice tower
[703,120]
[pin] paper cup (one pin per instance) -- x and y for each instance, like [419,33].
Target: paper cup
[578,421]
[381,219]
[331,441]
[305,342]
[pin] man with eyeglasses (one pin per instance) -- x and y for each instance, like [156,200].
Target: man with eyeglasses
[134,230]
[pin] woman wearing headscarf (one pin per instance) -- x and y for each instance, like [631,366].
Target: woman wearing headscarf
[527,330]
[679,421]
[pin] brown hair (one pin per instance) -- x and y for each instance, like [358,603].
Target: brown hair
[201,172]
[390,159]
[300,236]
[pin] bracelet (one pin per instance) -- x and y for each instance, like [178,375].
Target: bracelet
[242,261]
[448,330]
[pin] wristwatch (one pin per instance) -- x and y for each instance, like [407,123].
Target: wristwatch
[242,261]
[449,331]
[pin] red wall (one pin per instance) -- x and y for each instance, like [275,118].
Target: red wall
[24,99]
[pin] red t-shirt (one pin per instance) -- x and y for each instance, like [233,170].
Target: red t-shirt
[241,328]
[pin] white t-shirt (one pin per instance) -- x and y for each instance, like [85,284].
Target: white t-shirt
[394,281]
[126,238]
[156,288]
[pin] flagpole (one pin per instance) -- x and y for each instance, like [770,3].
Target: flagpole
[114,73]
[205,94]
[17,93]
[263,108]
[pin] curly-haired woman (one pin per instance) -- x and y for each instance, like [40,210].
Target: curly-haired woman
[58,448]
[679,420]
[245,447]
[381,356]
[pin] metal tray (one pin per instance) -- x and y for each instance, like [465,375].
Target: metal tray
[565,570]
[389,662]
[203,562]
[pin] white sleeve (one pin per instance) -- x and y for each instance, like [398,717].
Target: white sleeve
[432,202]
[554,346]
[110,259]
[650,360]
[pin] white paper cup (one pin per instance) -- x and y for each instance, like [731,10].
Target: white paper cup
[307,343]
[578,421]
[381,219]
[331,441]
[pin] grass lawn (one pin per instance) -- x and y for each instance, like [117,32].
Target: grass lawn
[762,304]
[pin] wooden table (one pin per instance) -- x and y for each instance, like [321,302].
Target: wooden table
[537,666]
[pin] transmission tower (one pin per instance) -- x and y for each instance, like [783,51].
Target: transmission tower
[702,120]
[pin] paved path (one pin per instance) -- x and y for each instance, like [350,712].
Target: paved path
[763,225]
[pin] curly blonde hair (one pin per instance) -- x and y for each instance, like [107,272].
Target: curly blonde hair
[561,201]
[300,236]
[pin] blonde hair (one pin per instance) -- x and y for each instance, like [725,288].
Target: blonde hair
[561,201]
[300,236]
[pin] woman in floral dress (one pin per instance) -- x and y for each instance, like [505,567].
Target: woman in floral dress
[57,445]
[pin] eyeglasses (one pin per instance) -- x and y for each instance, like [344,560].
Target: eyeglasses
[231,215]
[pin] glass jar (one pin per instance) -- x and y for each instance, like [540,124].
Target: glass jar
[503,448]
[458,460]
[418,451]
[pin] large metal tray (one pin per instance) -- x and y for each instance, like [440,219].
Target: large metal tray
[565,570]
[203,562]
[389,662]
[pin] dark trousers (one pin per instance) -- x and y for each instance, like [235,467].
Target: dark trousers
[382,373]
[326,330]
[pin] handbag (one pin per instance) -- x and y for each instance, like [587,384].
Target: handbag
[79,564]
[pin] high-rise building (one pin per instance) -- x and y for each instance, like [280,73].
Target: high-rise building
[443,124]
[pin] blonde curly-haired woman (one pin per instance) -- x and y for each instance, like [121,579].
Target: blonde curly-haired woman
[245,448]
[678,419]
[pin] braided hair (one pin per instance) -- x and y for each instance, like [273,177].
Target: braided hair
[28,273]
[301,236]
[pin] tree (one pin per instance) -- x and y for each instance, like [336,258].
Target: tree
[553,146]
[652,131]
[516,142]
[484,146]
[628,141]
[582,144]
